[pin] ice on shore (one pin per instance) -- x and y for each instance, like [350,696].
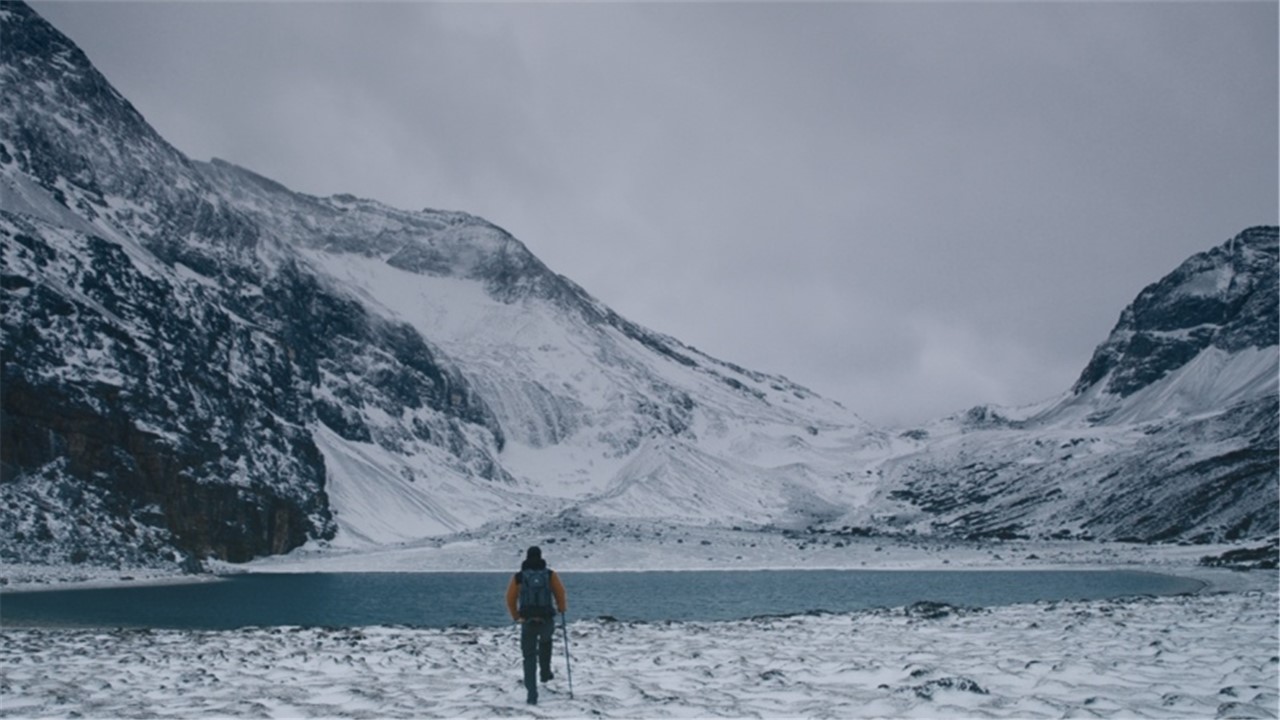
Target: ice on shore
[1200,656]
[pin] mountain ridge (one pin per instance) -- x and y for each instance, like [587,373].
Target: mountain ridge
[1169,434]
[322,411]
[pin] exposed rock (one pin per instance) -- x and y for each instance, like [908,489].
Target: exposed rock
[1224,298]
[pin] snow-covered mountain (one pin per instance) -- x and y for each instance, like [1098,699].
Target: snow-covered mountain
[196,358]
[199,362]
[1169,434]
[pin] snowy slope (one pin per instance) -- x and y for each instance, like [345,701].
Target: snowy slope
[595,412]
[1196,656]
[1170,434]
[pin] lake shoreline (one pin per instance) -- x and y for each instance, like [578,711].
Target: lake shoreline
[724,550]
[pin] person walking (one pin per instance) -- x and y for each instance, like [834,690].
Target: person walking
[529,600]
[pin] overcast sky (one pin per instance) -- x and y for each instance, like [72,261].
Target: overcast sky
[910,208]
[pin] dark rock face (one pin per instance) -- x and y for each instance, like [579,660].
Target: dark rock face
[117,381]
[1224,298]
[177,401]
[164,381]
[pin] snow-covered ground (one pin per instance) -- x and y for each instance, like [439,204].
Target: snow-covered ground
[1213,654]
[1201,656]
[587,544]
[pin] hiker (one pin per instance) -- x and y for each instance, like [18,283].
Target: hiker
[529,596]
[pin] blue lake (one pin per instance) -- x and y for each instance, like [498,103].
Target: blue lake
[445,599]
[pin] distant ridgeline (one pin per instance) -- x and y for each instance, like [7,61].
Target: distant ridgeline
[1170,434]
[198,362]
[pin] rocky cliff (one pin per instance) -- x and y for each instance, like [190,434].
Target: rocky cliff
[163,356]
[1224,298]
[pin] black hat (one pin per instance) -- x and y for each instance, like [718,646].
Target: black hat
[535,553]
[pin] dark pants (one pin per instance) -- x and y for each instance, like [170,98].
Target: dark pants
[536,641]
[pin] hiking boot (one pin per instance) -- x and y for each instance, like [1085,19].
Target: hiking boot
[533,698]
[547,676]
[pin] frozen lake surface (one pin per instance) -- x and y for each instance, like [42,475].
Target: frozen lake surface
[444,599]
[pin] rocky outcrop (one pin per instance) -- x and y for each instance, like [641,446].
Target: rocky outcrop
[1224,298]
[163,361]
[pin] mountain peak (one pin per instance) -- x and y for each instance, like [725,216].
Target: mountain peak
[1220,298]
[28,38]
[63,126]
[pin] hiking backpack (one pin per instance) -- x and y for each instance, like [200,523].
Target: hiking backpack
[535,594]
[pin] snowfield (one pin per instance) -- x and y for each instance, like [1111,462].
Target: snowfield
[1198,656]
[1212,654]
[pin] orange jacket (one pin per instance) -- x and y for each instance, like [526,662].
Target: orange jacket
[513,595]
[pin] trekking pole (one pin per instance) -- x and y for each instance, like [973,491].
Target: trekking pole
[568,668]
